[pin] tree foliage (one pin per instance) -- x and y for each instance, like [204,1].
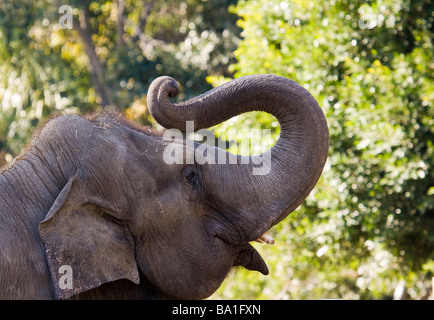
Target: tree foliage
[370,221]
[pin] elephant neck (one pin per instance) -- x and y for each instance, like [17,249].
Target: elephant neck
[31,183]
[29,189]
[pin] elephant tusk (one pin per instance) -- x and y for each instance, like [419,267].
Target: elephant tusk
[265,238]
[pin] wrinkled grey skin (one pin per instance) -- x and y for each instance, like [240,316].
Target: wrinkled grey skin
[95,194]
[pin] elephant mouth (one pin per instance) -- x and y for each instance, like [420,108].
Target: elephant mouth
[225,224]
[245,254]
[256,262]
[248,257]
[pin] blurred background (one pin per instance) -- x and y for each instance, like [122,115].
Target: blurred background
[367,229]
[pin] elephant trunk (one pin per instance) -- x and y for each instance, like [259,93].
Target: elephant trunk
[255,202]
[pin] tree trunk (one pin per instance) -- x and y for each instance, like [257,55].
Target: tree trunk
[119,7]
[96,68]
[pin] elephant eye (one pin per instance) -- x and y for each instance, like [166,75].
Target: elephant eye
[193,187]
[191,177]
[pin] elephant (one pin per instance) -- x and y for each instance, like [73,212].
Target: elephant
[90,210]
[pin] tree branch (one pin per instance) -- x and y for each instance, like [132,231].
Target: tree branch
[95,66]
[119,7]
[143,18]
[146,42]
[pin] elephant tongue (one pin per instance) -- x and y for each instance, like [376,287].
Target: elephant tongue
[250,259]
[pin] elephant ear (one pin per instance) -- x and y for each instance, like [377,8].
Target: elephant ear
[84,245]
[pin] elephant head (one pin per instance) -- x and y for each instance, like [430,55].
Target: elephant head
[125,213]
